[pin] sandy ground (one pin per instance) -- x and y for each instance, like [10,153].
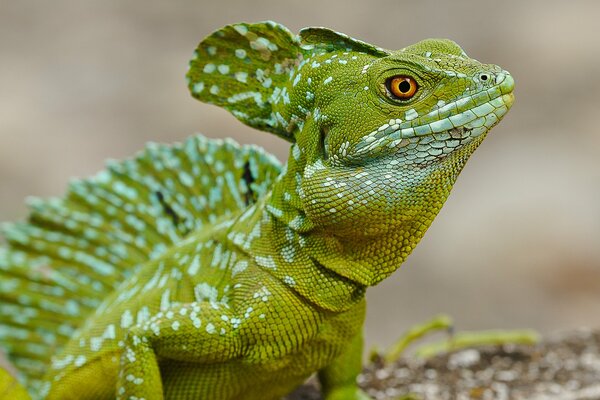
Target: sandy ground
[562,367]
[516,244]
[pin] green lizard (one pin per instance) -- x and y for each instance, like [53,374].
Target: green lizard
[207,270]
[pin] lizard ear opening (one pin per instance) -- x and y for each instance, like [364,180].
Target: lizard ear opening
[245,69]
[323,39]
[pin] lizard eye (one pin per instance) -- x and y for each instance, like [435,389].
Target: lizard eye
[402,87]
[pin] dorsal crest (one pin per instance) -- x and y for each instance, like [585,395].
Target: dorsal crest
[245,69]
[249,69]
[317,38]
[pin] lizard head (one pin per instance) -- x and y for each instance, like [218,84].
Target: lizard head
[427,98]
[389,134]
[395,129]
[378,137]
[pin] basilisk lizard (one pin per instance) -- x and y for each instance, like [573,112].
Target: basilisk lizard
[208,270]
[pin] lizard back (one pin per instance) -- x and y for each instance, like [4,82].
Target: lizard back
[60,264]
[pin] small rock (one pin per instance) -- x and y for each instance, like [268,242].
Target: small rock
[463,359]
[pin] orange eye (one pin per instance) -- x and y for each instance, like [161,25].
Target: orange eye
[402,87]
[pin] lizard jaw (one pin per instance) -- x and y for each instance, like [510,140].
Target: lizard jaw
[473,113]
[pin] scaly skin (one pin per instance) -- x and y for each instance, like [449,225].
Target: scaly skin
[193,273]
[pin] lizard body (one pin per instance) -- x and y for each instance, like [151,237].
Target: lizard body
[207,270]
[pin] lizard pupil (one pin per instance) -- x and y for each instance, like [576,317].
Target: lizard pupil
[404,86]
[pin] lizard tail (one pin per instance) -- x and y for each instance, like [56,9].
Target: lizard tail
[72,252]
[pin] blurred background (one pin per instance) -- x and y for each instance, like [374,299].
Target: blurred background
[517,243]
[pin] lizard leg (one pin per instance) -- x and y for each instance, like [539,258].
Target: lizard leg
[338,379]
[196,332]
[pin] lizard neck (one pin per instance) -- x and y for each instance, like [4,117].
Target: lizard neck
[265,234]
[364,239]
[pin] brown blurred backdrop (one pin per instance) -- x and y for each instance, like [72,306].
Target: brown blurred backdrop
[517,244]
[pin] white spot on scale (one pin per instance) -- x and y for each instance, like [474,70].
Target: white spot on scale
[210,328]
[204,291]
[297,79]
[289,280]
[296,223]
[79,361]
[109,332]
[288,252]
[198,87]
[263,293]
[223,69]
[96,343]
[240,53]
[267,83]
[241,76]
[165,302]
[126,319]
[241,29]
[130,354]
[247,95]
[267,262]
[143,315]
[275,211]
[296,151]
[239,267]
[195,320]
[209,68]
[194,266]
[60,364]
